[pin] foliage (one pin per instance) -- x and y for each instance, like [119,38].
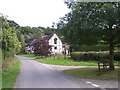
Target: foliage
[117,56]
[77,56]
[98,56]
[0,56]
[93,23]
[0,32]
[22,40]
[85,48]
[9,53]
[13,24]
[31,32]
[49,30]
[10,42]
[42,48]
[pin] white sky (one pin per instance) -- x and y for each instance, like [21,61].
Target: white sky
[34,12]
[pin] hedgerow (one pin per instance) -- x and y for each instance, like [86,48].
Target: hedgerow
[97,56]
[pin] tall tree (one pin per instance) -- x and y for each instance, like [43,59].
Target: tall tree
[93,23]
[10,42]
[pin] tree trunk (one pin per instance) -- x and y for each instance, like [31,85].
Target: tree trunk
[111,55]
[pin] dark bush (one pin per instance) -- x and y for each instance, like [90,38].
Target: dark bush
[84,56]
[97,56]
[86,48]
[117,56]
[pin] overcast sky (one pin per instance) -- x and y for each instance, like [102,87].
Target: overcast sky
[34,12]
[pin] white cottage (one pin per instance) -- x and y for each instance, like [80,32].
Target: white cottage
[54,41]
[56,44]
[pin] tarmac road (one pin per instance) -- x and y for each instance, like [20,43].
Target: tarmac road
[37,75]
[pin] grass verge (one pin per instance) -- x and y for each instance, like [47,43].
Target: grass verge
[66,62]
[0,76]
[93,73]
[0,56]
[28,55]
[11,69]
[0,69]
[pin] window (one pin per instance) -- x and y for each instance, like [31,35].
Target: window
[55,41]
[55,47]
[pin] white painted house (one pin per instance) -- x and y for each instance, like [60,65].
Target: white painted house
[56,44]
[54,41]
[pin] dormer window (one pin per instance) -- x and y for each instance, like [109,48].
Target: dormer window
[55,41]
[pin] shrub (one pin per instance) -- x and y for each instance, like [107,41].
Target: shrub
[83,56]
[117,56]
[97,56]
[9,53]
[86,48]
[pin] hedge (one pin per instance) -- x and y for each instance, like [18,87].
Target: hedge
[86,48]
[97,56]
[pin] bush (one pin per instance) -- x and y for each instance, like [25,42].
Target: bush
[86,48]
[93,48]
[117,56]
[97,56]
[9,53]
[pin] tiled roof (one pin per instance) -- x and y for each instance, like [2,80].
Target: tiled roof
[33,41]
[48,37]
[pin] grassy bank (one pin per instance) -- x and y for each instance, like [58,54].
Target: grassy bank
[0,56]
[66,62]
[93,73]
[28,55]
[11,69]
[0,68]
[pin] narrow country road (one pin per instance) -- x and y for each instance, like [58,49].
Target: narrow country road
[37,75]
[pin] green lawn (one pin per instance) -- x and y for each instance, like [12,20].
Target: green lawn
[62,61]
[10,73]
[66,62]
[28,55]
[93,73]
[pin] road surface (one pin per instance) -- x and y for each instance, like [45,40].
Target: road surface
[37,75]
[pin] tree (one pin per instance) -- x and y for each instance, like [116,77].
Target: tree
[93,23]
[10,42]
[31,32]
[42,48]
[22,40]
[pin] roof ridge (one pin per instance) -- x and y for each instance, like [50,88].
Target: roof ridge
[48,37]
[32,41]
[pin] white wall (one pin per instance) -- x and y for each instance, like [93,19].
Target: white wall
[58,45]
[29,49]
